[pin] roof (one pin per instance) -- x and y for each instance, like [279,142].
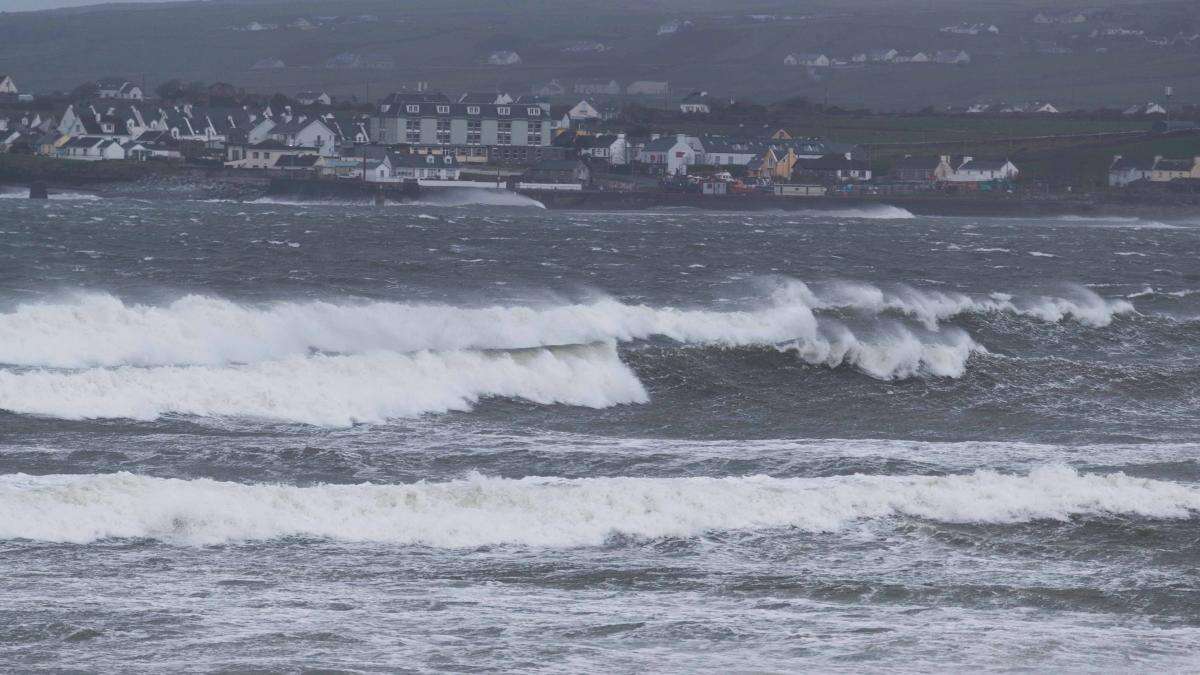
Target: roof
[276,145]
[733,146]
[469,110]
[984,165]
[1174,165]
[1131,164]
[917,163]
[832,163]
[83,142]
[422,161]
[156,137]
[661,144]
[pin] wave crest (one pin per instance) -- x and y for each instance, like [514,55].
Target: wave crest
[102,330]
[330,390]
[555,512]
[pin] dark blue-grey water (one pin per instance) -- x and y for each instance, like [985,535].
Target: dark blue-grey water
[495,437]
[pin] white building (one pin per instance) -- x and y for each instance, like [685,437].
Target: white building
[673,26]
[7,85]
[952,56]
[313,98]
[598,87]
[504,57]
[425,167]
[695,104]
[810,60]
[1124,171]
[648,88]
[971,170]
[115,87]
[673,153]
[583,110]
[91,149]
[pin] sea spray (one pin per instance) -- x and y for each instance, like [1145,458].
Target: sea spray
[102,330]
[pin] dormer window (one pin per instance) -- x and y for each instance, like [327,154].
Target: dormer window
[413,108]
[535,112]
[443,110]
[502,110]
[472,110]
[430,159]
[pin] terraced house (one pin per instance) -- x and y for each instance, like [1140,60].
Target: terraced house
[515,132]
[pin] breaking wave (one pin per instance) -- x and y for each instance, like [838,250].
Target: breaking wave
[329,390]
[876,212]
[54,196]
[555,512]
[331,363]
[102,330]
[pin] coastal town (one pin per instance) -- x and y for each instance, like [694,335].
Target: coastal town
[598,135]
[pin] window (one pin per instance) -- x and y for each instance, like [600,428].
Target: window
[256,155]
[535,112]
[413,108]
[534,137]
[504,133]
[266,155]
[502,110]
[443,131]
[472,110]
[443,110]
[412,131]
[474,132]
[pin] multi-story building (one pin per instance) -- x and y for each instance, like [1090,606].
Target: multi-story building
[432,123]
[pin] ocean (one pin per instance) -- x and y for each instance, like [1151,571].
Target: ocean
[491,437]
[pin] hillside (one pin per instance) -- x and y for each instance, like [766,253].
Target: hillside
[1122,52]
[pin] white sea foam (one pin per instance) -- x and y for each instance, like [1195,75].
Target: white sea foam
[555,512]
[102,330]
[54,196]
[329,390]
[875,212]
[455,196]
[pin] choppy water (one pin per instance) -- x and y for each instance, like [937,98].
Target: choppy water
[274,436]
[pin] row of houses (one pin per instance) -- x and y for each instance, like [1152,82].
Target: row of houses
[819,60]
[1126,171]
[603,87]
[782,158]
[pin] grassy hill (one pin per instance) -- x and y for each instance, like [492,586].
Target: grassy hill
[730,48]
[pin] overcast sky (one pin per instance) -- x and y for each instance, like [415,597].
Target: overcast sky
[27,5]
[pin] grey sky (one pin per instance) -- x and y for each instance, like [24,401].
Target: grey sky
[29,5]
